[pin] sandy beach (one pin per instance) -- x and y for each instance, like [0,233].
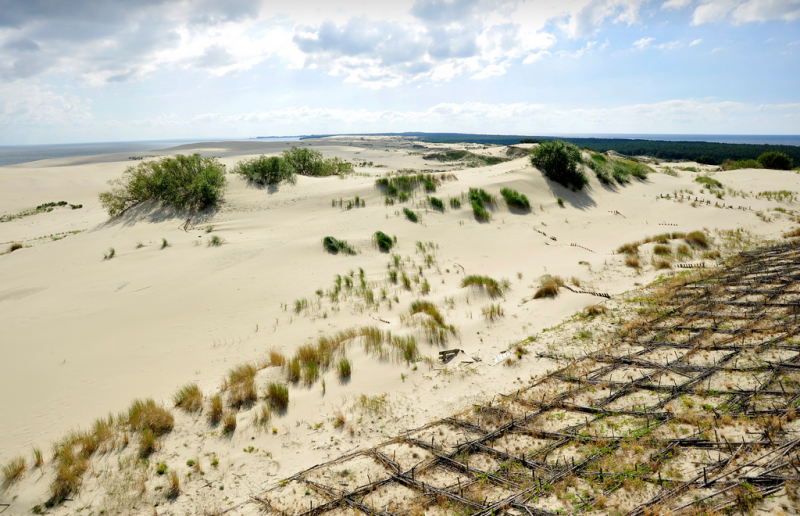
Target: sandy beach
[82,336]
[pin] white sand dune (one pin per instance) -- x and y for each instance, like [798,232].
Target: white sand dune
[83,336]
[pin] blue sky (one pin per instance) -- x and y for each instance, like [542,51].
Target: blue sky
[84,70]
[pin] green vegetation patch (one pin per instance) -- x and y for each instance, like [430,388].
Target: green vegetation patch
[468,158]
[266,170]
[307,162]
[383,241]
[708,182]
[559,161]
[183,183]
[515,199]
[334,246]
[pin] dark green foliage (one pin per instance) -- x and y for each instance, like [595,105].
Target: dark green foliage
[436,204]
[560,202]
[744,163]
[51,205]
[182,182]
[430,186]
[13,247]
[307,162]
[515,199]
[559,161]
[383,241]
[264,170]
[479,198]
[400,186]
[623,169]
[708,182]
[602,168]
[335,246]
[775,161]
[410,215]
[707,160]
[455,203]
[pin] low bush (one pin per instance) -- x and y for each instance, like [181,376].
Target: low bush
[410,215]
[559,161]
[743,163]
[266,171]
[383,241]
[706,160]
[308,162]
[775,161]
[334,246]
[548,286]
[182,182]
[278,395]
[515,199]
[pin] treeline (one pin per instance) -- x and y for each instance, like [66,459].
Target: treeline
[665,150]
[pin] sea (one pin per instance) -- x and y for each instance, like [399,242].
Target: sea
[15,154]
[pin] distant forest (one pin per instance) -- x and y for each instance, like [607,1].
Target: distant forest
[629,147]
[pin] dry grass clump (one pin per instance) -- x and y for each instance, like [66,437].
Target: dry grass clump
[311,360]
[406,348]
[189,398]
[492,312]
[631,248]
[662,263]
[435,326]
[276,358]
[548,286]
[13,470]
[173,485]
[792,234]
[595,310]
[69,470]
[662,250]
[242,385]
[229,422]
[147,415]
[215,414]
[697,239]
[493,287]
[38,459]
[632,261]
[278,395]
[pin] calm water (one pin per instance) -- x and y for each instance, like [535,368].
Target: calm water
[13,154]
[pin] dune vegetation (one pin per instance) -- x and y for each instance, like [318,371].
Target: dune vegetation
[183,183]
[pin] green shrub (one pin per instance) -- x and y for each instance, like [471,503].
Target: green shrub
[515,199]
[743,163]
[335,246]
[479,199]
[266,171]
[775,161]
[623,169]
[410,215]
[383,241]
[560,202]
[479,211]
[436,204]
[602,168]
[559,161]
[307,162]
[182,182]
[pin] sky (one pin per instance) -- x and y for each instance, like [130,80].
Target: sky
[116,70]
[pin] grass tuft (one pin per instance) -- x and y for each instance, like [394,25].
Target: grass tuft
[515,199]
[215,414]
[411,215]
[492,287]
[792,234]
[276,358]
[548,286]
[334,246]
[345,368]
[215,241]
[278,395]
[436,203]
[697,239]
[383,241]
[189,398]
[492,312]
[229,423]
[147,415]
[13,470]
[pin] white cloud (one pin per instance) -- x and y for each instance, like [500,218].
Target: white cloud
[643,43]
[695,42]
[676,4]
[717,49]
[536,56]
[490,71]
[746,11]
[588,48]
